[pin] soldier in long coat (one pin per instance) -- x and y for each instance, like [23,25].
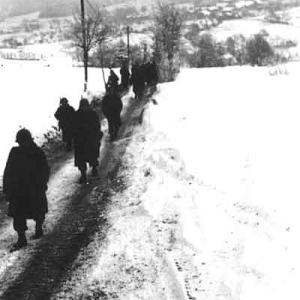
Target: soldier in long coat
[87,138]
[152,74]
[138,81]
[111,107]
[24,184]
[65,117]
[113,80]
[125,76]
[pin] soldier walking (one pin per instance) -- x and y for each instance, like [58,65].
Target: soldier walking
[125,76]
[24,184]
[111,107]
[113,80]
[65,117]
[87,138]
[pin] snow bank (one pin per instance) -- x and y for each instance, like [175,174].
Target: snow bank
[235,133]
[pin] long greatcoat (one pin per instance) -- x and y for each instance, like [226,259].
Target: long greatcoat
[25,182]
[125,76]
[87,136]
[111,107]
[138,80]
[113,80]
[65,117]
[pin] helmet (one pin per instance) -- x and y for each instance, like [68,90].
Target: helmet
[83,103]
[63,100]
[23,136]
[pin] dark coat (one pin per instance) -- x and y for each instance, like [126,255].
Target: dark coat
[25,182]
[138,80]
[111,107]
[113,80]
[151,73]
[65,116]
[125,75]
[87,136]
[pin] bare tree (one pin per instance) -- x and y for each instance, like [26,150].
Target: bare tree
[101,37]
[86,32]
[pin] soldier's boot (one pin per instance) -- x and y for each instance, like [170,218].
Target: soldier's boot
[94,171]
[83,178]
[22,242]
[38,231]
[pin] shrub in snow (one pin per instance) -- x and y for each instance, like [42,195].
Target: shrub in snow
[258,50]
[277,66]
[52,141]
[193,33]
[168,69]
[276,13]
[209,53]
[236,46]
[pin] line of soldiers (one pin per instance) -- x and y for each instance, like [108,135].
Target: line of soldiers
[141,76]
[26,174]
[84,128]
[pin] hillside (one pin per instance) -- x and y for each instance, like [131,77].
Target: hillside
[58,8]
[53,8]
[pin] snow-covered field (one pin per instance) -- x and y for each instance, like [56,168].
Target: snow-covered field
[252,26]
[30,94]
[276,32]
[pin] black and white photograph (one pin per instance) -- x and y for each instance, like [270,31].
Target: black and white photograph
[150,149]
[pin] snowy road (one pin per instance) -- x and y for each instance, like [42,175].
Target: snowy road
[76,215]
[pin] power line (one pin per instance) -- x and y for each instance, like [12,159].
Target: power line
[90,5]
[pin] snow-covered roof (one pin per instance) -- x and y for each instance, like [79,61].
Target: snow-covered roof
[245,3]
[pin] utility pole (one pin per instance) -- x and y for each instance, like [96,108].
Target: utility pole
[128,47]
[84,45]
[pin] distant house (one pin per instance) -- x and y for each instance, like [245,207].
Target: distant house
[213,8]
[205,12]
[241,4]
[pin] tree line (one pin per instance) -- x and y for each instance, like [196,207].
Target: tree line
[236,50]
[92,40]
[90,34]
